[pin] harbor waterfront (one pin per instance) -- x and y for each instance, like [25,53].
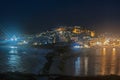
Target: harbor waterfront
[72,51]
[86,62]
[59,39]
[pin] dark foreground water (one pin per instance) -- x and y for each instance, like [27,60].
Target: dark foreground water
[30,60]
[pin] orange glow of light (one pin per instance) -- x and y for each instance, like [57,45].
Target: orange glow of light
[113,51]
[103,65]
[60,29]
[92,34]
[76,31]
[113,62]
[104,51]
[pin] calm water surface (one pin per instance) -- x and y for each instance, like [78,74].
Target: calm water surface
[104,61]
[29,60]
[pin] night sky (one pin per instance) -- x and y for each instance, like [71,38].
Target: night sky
[33,16]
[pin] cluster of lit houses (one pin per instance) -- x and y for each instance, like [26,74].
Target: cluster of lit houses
[84,37]
[105,40]
[65,34]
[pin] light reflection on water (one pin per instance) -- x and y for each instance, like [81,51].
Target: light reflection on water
[113,61]
[28,60]
[106,63]
[86,65]
[13,62]
[103,64]
[13,51]
[103,61]
[81,66]
[77,66]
